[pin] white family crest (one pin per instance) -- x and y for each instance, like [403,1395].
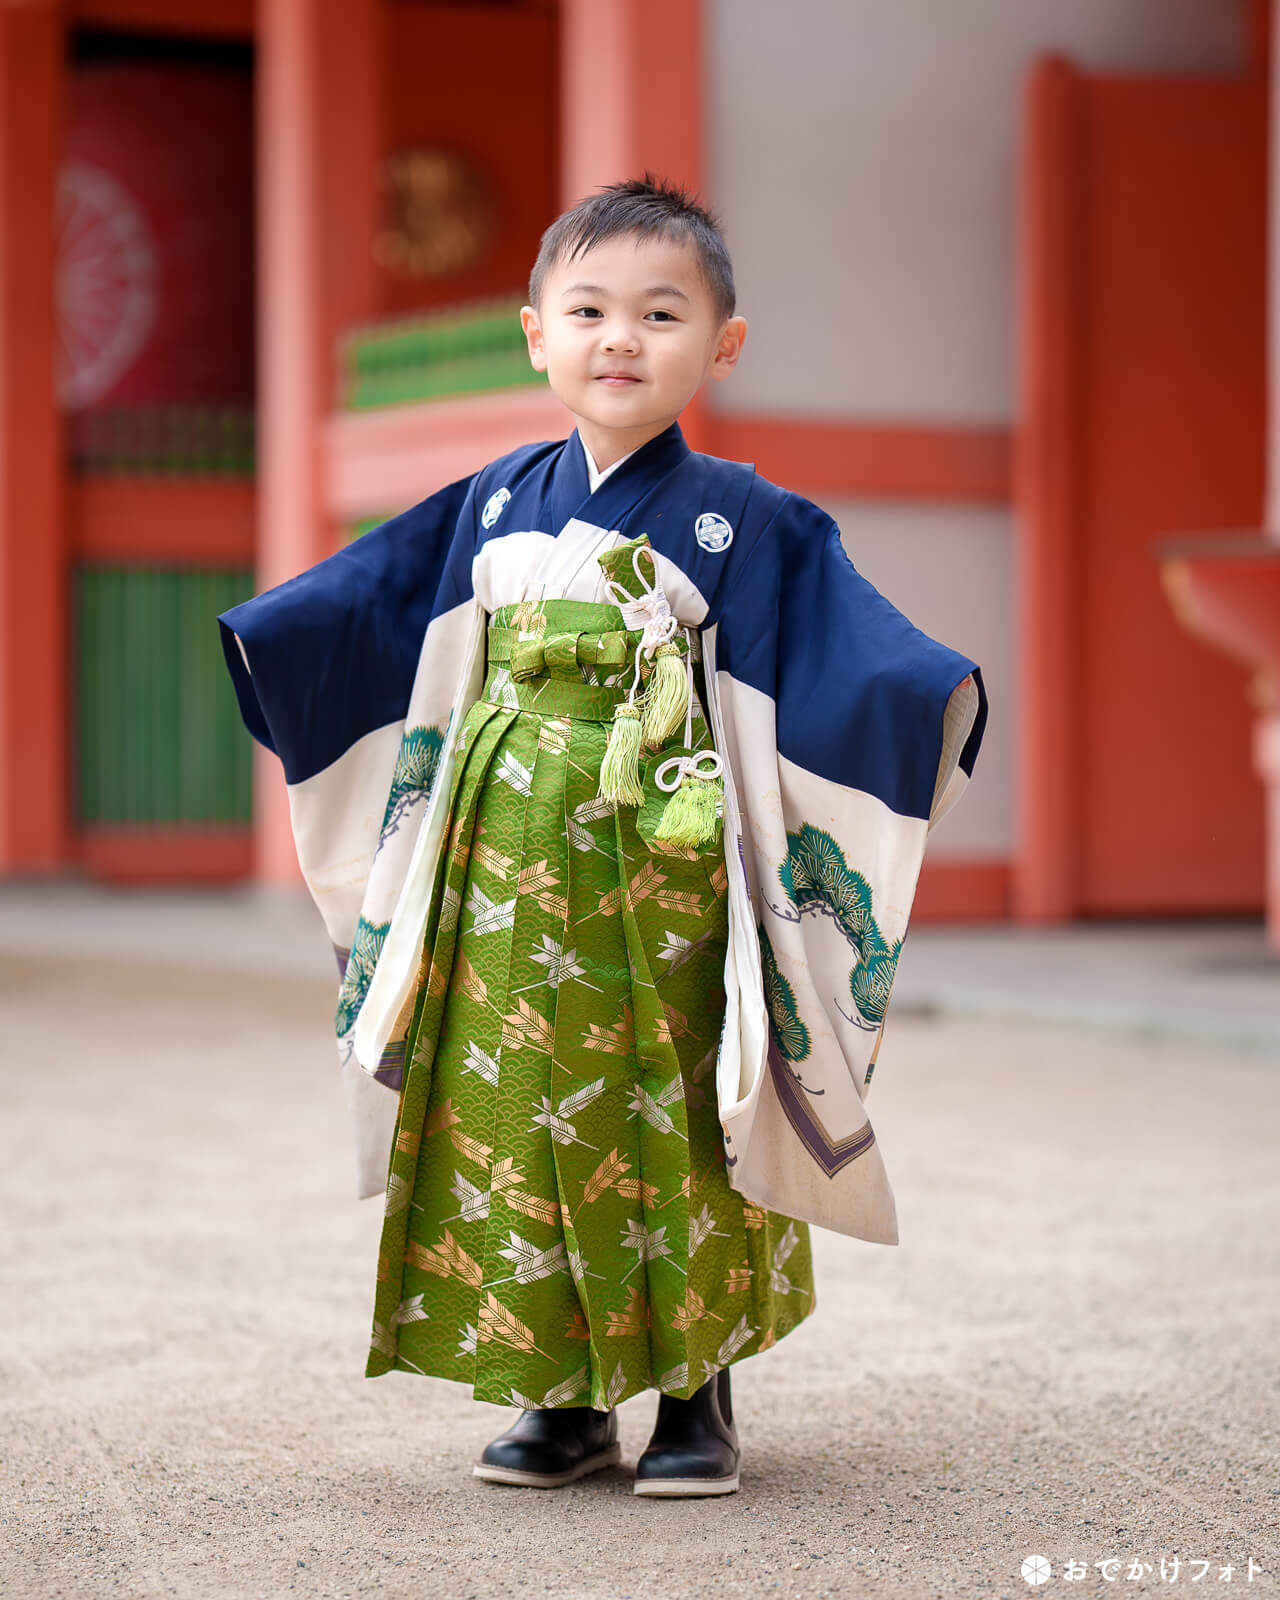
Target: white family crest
[494,507]
[712,531]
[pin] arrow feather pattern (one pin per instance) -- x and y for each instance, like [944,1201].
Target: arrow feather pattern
[471,1148]
[481,1062]
[617,1383]
[593,810]
[469,981]
[693,1310]
[474,1201]
[643,1102]
[581,1267]
[398,1194]
[734,1341]
[580,1097]
[536,877]
[535,1206]
[647,881]
[492,860]
[681,900]
[553,735]
[444,1116]
[617,1040]
[675,1377]
[638,1189]
[530,1262]
[410,1310]
[383,1341]
[676,1021]
[446,1259]
[503,1326]
[605,1175]
[511,770]
[787,1243]
[525,1024]
[571,1386]
[505,1175]
[701,1228]
[450,909]
[611,902]
[581,838]
[633,1318]
[490,915]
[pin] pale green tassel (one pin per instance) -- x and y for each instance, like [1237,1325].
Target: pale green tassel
[667,696]
[620,769]
[689,817]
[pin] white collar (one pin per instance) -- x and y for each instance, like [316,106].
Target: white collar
[594,476]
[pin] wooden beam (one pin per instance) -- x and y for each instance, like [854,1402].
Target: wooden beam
[182,522]
[214,19]
[384,460]
[873,460]
[381,462]
[33,597]
[150,852]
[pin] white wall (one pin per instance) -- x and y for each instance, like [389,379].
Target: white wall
[862,156]
[863,159]
[948,569]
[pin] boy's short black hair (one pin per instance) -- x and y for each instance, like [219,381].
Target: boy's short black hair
[646,207]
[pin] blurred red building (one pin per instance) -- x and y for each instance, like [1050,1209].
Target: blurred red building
[1006,278]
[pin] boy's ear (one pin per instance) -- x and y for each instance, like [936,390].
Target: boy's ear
[729,347]
[533,333]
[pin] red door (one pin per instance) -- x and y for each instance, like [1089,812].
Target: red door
[1143,417]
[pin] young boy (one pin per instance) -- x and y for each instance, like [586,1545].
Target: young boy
[612,779]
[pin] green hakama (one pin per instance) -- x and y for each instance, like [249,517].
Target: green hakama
[560,1228]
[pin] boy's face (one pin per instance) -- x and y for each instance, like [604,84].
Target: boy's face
[626,335]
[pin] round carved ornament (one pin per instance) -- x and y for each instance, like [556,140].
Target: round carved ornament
[441,213]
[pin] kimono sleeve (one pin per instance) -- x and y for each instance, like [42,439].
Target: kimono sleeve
[324,668]
[848,733]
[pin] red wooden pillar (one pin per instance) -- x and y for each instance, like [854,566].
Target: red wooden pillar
[627,106]
[319,135]
[1048,602]
[33,618]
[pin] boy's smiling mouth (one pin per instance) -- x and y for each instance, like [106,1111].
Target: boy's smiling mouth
[617,377]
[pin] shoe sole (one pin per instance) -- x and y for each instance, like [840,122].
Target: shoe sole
[549,1480]
[670,1488]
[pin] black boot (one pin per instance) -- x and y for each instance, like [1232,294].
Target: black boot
[694,1446]
[549,1448]
[725,1400]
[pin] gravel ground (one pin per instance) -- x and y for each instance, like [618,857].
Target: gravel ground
[1072,1353]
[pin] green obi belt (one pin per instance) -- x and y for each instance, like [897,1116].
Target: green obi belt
[575,660]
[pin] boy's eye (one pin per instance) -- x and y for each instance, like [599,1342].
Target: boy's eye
[594,311]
